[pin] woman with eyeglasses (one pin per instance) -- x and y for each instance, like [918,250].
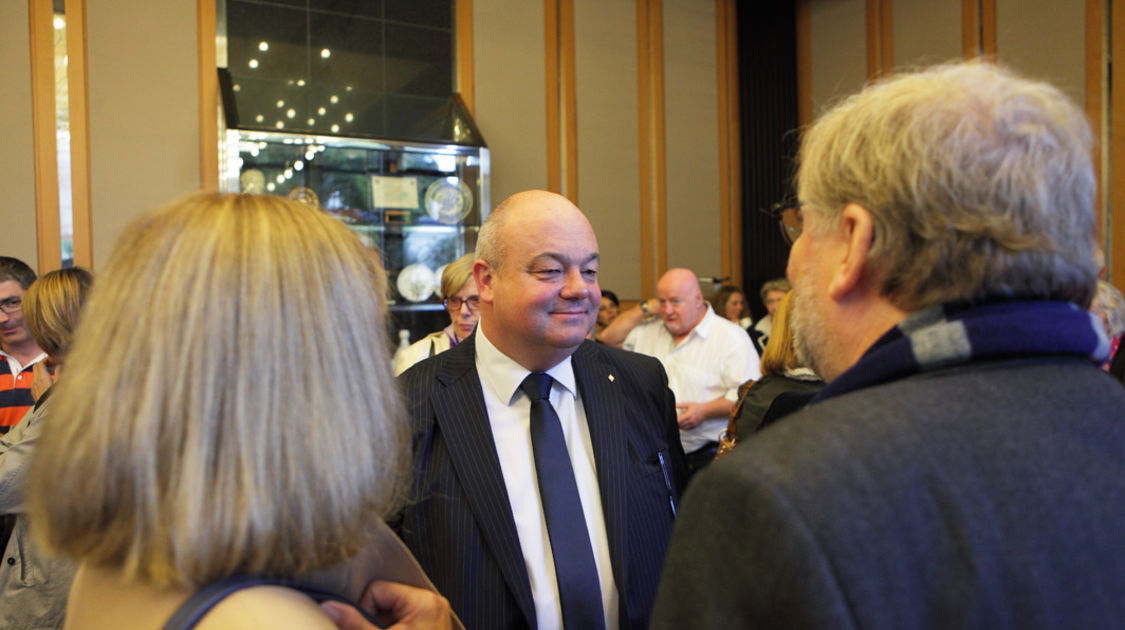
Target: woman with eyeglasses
[462,301]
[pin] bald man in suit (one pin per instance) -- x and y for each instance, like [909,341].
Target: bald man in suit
[478,520]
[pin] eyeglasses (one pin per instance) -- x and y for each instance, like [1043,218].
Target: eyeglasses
[11,305]
[454,303]
[789,218]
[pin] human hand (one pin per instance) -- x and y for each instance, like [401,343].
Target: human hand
[407,607]
[41,379]
[689,415]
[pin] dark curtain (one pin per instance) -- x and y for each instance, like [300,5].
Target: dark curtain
[767,69]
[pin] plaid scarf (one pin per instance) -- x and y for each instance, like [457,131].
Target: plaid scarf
[956,333]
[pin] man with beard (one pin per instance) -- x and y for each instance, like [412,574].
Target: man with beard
[962,468]
[548,466]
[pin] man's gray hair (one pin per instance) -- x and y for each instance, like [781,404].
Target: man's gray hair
[979,182]
[777,284]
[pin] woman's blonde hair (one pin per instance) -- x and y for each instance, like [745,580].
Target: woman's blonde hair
[51,307]
[456,274]
[228,406]
[779,355]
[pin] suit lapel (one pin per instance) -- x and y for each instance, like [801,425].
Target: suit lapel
[460,413]
[600,389]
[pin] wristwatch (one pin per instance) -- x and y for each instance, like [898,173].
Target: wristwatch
[644,307]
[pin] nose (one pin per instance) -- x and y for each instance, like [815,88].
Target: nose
[575,286]
[465,310]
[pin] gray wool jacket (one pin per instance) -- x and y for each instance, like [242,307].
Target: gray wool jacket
[983,495]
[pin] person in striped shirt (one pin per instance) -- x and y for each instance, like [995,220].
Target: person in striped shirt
[23,362]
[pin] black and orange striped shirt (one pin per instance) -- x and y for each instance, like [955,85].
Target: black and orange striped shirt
[15,392]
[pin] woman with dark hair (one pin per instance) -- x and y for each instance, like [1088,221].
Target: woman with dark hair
[729,302]
[608,310]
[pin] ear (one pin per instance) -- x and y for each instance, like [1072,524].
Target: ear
[857,229]
[484,274]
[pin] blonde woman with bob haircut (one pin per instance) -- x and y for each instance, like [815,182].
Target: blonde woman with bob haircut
[782,372]
[462,303]
[33,585]
[227,409]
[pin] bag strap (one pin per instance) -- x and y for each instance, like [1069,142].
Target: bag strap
[202,601]
[728,439]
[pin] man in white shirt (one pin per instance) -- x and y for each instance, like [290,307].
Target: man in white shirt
[480,518]
[706,357]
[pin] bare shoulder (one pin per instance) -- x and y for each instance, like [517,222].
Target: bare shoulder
[272,607]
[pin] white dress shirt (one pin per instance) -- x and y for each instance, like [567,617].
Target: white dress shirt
[711,362]
[509,416]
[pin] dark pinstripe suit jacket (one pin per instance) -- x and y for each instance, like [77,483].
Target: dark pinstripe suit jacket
[459,522]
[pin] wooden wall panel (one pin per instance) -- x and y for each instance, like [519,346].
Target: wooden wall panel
[45,129]
[608,152]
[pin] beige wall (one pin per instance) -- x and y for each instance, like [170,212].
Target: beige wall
[1045,39]
[691,128]
[927,32]
[605,51]
[510,79]
[509,69]
[839,49]
[144,110]
[144,123]
[17,159]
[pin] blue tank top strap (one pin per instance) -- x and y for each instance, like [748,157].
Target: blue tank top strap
[202,601]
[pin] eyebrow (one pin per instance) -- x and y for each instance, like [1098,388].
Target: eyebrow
[563,259]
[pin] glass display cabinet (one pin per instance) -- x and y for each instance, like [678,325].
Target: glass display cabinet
[420,205]
[351,108]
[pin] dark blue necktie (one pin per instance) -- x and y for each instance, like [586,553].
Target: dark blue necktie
[575,570]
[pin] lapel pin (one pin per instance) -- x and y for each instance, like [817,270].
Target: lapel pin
[610,378]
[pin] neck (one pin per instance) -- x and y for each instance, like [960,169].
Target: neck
[877,318]
[539,359]
[23,352]
[680,337]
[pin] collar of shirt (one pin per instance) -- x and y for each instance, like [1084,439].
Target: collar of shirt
[14,364]
[702,329]
[502,375]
